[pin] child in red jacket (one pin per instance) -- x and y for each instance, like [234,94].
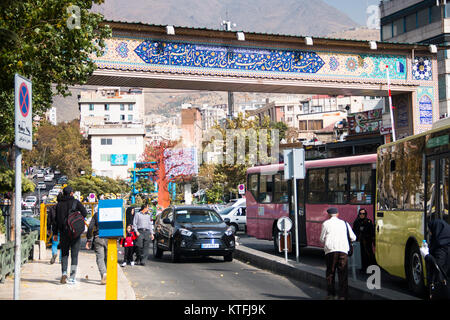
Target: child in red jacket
[128,244]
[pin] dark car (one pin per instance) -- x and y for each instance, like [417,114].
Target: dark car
[30,224]
[191,230]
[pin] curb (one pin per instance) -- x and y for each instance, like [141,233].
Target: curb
[312,275]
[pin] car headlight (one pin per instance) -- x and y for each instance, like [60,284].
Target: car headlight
[185,232]
[229,232]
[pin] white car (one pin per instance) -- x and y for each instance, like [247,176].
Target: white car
[54,192]
[48,178]
[30,201]
[40,174]
[41,185]
[237,216]
[27,213]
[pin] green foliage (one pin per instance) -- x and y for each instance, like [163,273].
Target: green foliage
[8,182]
[145,185]
[99,185]
[215,194]
[36,42]
[61,147]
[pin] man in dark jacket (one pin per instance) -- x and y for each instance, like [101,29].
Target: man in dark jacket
[67,244]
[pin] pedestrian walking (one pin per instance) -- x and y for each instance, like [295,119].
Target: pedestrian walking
[144,230]
[437,259]
[100,247]
[365,233]
[68,243]
[50,220]
[336,235]
[128,244]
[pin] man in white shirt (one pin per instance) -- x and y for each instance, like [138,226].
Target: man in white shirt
[336,247]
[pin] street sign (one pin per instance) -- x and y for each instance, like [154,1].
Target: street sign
[23,113]
[91,197]
[241,189]
[284,224]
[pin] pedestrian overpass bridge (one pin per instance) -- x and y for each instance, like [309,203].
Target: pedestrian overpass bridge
[155,56]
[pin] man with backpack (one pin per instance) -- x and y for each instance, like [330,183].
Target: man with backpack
[69,223]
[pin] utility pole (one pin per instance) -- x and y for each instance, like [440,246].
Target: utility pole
[227,25]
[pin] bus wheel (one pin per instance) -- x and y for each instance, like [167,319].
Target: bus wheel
[414,270]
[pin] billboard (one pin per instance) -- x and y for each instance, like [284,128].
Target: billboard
[119,159]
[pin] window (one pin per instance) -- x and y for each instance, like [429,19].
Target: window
[435,14]
[130,117]
[410,22]
[289,119]
[315,124]
[302,125]
[337,182]
[130,107]
[316,186]
[106,107]
[106,141]
[423,17]
[290,108]
[253,184]
[91,107]
[105,157]
[122,107]
[361,184]
[398,27]
[107,117]
[281,189]
[265,188]
[132,157]
[387,31]
[122,117]
[131,140]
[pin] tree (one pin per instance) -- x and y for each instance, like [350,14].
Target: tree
[38,43]
[61,147]
[169,166]
[98,185]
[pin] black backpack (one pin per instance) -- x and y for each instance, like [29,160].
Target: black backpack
[75,222]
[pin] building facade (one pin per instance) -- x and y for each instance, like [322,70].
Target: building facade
[424,22]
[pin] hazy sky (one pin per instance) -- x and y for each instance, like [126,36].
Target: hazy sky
[355,9]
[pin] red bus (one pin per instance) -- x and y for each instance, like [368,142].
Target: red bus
[347,183]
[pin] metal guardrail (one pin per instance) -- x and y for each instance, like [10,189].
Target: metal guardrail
[46,235]
[7,255]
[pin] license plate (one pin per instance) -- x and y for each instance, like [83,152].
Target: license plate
[210,245]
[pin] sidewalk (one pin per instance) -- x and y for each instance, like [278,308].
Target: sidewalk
[40,281]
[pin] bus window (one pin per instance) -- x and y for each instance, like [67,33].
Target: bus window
[337,182]
[253,184]
[361,184]
[265,189]
[316,186]
[281,189]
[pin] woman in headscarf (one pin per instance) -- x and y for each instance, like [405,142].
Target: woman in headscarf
[365,234]
[438,254]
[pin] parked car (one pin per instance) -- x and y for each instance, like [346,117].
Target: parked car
[62,180]
[193,230]
[41,185]
[57,172]
[30,224]
[30,201]
[40,174]
[27,213]
[237,216]
[54,192]
[48,178]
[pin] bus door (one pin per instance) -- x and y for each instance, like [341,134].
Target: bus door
[301,211]
[437,188]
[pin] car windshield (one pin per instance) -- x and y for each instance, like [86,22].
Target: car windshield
[31,221]
[226,211]
[197,216]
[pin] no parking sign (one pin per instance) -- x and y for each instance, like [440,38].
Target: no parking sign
[241,189]
[23,113]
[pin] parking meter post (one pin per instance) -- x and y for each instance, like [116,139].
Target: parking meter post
[285,246]
[111,270]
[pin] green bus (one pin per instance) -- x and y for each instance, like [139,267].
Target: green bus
[412,188]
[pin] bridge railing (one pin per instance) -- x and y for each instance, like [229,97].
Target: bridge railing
[7,254]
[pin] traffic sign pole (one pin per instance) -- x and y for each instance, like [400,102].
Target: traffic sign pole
[23,139]
[18,234]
